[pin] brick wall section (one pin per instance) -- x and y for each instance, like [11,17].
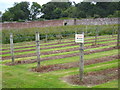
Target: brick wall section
[32,24]
[98,21]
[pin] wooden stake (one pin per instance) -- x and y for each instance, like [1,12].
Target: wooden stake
[86,30]
[46,38]
[38,49]
[96,36]
[118,39]
[12,47]
[113,31]
[81,61]
[75,21]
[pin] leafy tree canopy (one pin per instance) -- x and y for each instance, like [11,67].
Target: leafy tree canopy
[56,10]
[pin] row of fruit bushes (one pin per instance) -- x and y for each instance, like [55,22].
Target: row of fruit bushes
[28,34]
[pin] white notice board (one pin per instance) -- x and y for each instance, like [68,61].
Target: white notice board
[79,38]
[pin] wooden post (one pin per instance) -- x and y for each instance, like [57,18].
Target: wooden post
[38,49]
[81,60]
[86,30]
[113,31]
[96,35]
[75,21]
[61,38]
[46,38]
[75,34]
[118,39]
[12,47]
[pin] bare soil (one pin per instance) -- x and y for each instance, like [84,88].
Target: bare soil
[93,78]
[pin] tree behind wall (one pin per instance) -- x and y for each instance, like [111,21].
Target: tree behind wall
[20,11]
[35,10]
[54,10]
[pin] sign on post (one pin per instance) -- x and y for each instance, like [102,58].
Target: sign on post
[79,38]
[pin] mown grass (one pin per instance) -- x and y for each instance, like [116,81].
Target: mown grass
[113,83]
[69,59]
[27,43]
[20,76]
[6,46]
[46,50]
[63,53]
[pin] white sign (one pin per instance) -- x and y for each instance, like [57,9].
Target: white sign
[79,38]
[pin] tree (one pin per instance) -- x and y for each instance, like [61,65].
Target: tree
[20,11]
[57,13]
[35,10]
[0,16]
[7,16]
[0,13]
[71,12]
[54,10]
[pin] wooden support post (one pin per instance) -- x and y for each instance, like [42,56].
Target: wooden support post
[113,31]
[38,49]
[86,29]
[96,36]
[75,21]
[81,60]
[75,34]
[46,38]
[118,39]
[60,38]
[12,47]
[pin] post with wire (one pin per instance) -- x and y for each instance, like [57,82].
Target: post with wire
[79,38]
[12,47]
[38,49]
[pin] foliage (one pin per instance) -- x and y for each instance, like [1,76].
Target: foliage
[35,10]
[57,10]
[116,14]
[17,12]
[28,34]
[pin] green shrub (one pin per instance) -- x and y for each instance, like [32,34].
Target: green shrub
[28,34]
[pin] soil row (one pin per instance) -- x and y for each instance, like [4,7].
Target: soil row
[73,43]
[49,47]
[57,51]
[99,37]
[56,67]
[93,78]
[60,56]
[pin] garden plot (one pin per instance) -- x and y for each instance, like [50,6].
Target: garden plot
[60,50]
[94,78]
[60,65]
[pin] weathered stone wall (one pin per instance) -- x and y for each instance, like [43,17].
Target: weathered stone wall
[98,21]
